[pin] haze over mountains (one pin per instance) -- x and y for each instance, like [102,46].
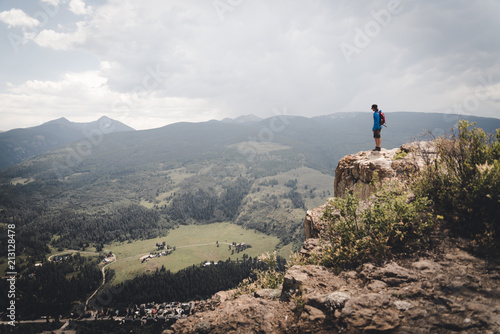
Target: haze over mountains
[348,129]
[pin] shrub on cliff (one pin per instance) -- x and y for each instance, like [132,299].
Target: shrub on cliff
[464,184]
[269,278]
[393,225]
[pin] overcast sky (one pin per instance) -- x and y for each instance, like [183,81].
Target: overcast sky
[149,63]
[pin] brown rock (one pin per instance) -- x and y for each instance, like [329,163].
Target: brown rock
[426,265]
[245,314]
[311,246]
[304,280]
[336,300]
[392,274]
[268,293]
[313,224]
[355,172]
[312,314]
[376,286]
[371,312]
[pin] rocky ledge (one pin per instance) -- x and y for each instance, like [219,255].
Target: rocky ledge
[446,291]
[361,172]
[455,292]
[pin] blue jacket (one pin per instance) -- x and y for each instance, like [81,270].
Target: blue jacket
[376,121]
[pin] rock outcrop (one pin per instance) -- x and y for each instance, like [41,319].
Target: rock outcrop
[445,291]
[361,172]
[313,225]
[453,293]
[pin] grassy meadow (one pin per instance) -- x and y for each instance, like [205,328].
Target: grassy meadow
[311,184]
[194,244]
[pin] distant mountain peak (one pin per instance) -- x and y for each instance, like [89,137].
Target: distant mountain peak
[243,119]
[61,120]
[119,126]
[105,118]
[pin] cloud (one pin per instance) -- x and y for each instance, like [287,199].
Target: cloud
[85,96]
[18,18]
[61,40]
[165,60]
[240,64]
[79,8]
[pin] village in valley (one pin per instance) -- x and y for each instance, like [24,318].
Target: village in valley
[144,314]
[150,313]
[162,249]
[166,312]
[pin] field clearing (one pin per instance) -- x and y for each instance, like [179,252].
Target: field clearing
[254,147]
[89,251]
[147,204]
[160,200]
[179,174]
[194,244]
[21,181]
[313,179]
[176,176]
[72,252]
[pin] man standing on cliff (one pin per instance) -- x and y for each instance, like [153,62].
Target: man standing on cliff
[376,127]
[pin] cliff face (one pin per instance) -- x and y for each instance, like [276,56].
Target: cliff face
[445,291]
[360,172]
[363,172]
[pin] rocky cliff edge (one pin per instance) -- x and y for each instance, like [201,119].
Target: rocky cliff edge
[446,291]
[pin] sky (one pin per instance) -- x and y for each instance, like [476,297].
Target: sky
[149,63]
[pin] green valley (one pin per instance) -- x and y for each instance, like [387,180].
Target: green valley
[193,244]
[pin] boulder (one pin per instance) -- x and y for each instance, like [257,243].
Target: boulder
[371,313]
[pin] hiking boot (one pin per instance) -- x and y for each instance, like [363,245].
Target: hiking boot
[376,149]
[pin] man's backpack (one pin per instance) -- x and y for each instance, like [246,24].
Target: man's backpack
[382,118]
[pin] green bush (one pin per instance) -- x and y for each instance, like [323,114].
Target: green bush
[393,225]
[271,278]
[400,154]
[464,184]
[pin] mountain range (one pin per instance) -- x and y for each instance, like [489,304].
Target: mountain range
[334,135]
[20,144]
